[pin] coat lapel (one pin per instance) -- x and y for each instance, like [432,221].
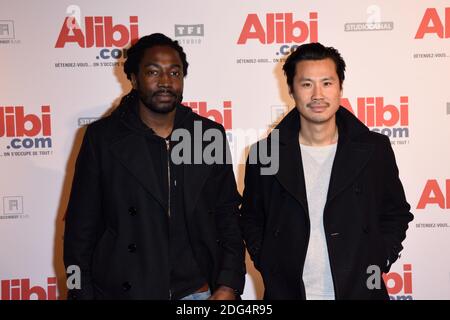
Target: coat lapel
[133,153]
[195,175]
[351,158]
[290,173]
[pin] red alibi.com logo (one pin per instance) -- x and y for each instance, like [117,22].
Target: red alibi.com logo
[433,24]
[399,285]
[27,131]
[223,117]
[281,29]
[434,194]
[99,32]
[387,118]
[22,289]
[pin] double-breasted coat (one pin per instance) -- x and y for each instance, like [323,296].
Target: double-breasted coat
[365,218]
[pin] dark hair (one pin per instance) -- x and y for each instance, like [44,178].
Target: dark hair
[313,51]
[137,50]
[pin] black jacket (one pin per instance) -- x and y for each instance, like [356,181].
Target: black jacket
[116,226]
[365,217]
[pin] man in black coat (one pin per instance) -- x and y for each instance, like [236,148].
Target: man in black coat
[332,219]
[153,212]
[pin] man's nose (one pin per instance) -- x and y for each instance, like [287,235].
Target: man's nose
[317,93]
[164,80]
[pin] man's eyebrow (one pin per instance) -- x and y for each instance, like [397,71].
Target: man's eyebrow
[321,79]
[159,66]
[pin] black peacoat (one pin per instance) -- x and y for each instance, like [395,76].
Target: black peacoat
[116,227]
[365,217]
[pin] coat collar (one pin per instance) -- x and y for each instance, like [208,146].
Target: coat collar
[130,148]
[351,155]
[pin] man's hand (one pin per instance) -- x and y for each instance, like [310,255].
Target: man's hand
[223,293]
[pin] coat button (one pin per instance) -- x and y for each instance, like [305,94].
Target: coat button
[132,211]
[126,286]
[357,189]
[73,296]
[334,234]
[132,247]
[366,229]
[276,233]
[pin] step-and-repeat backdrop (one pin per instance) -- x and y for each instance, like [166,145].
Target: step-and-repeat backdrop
[61,67]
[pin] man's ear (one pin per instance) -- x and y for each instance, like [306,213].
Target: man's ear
[134,81]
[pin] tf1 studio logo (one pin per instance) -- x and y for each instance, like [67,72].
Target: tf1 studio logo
[281,29]
[99,32]
[25,131]
[189,33]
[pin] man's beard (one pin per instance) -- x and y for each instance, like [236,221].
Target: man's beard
[162,108]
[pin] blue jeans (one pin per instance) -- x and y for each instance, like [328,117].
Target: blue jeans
[198,296]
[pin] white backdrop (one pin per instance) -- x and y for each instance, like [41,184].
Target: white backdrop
[53,82]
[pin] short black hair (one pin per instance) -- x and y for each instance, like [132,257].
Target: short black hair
[136,52]
[313,51]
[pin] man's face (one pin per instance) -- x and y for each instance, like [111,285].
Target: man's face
[316,90]
[160,79]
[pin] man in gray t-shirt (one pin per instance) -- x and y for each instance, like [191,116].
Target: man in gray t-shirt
[335,212]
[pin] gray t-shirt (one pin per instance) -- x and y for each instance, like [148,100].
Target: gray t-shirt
[317,165]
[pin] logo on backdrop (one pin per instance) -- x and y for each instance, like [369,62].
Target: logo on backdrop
[400,285]
[25,134]
[223,117]
[373,22]
[281,32]
[434,25]
[189,33]
[103,35]
[277,114]
[382,116]
[22,289]
[13,208]
[435,194]
[84,121]
[7,33]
